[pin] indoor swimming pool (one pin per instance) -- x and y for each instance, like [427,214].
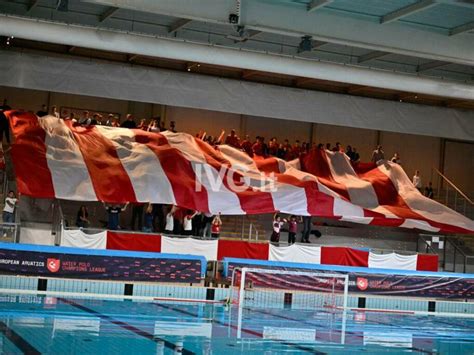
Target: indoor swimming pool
[33,324]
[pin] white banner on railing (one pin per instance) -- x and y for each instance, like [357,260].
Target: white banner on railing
[296,253]
[206,248]
[392,261]
[78,239]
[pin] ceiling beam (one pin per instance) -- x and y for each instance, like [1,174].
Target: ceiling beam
[32,5]
[317,4]
[108,13]
[178,24]
[370,56]
[461,29]
[430,65]
[407,10]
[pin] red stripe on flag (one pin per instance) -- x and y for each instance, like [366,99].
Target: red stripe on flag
[251,201]
[178,170]
[109,178]
[316,162]
[269,165]
[318,203]
[33,176]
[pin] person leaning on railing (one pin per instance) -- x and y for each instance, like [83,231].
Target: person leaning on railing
[9,209]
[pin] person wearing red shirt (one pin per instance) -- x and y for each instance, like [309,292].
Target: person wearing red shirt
[246,146]
[273,147]
[233,140]
[257,148]
[216,226]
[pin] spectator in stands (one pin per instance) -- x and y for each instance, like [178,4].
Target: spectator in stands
[82,219]
[233,140]
[246,146]
[306,229]
[169,228]
[158,217]
[188,222]
[137,215]
[258,148]
[54,111]
[429,190]
[349,152]
[148,219]
[296,150]
[338,148]
[277,223]
[273,147]
[173,127]
[43,112]
[292,229]
[355,156]
[129,122]
[328,146]
[154,126]
[320,146]
[396,159]
[417,180]
[377,155]
[9,209]
[113,218]
[162,126]
[4,125]
[71,116]
[95,120]
[85,119]
[281,151]
[216,226]
[207,222]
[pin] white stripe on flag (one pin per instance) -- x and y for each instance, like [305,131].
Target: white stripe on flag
[420,204]
[360,191]
[220,198]
[143,167]
[71,179]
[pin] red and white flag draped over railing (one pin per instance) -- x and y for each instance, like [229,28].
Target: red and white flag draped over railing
[54,158]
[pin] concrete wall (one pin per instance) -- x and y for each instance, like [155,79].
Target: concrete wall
[417,152]
[459,165]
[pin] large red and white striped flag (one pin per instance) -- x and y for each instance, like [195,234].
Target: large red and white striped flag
[54,158]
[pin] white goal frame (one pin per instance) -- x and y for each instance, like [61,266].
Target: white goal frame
[245,270]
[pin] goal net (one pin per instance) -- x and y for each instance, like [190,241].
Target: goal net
[259,287]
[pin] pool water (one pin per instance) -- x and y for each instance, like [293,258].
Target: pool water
[56,325]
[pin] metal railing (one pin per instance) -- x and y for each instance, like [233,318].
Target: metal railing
[454,255]
[443,180]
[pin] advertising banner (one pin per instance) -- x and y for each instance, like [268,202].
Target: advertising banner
[99,267]
[428,285]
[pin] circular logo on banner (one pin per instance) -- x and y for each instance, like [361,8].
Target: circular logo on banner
[53,264]
[362,283]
